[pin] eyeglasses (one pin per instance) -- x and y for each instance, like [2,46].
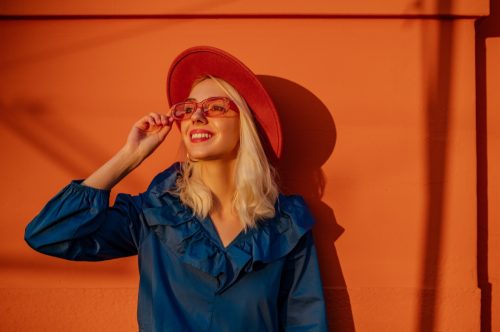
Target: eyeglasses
[214,107]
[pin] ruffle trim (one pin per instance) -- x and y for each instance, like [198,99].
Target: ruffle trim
[182,233]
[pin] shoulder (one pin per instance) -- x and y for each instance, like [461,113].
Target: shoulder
[159,190]
[294,208]
[276,237]
[165,180]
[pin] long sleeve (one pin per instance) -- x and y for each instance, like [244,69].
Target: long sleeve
[302,305]
[78,224]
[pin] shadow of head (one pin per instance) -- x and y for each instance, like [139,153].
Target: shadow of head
[309,136]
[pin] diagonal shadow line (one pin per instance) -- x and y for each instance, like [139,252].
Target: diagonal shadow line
[437,105]
[101,40]
[33,138]
[29,123]
[75,47]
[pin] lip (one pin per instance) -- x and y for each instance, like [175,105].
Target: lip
[201,135]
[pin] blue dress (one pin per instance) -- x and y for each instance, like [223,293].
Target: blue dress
[266,279]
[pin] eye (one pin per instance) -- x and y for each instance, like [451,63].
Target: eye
[217,108]
[182,110]
[178,113]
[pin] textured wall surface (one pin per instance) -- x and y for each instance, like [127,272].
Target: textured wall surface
[379,116]
[247,7]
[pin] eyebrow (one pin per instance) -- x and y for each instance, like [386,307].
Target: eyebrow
[190,98]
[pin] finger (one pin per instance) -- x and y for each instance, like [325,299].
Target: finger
[156,118]
[164,132]
[170,120]
[142,124]
[151,121]
[164,120]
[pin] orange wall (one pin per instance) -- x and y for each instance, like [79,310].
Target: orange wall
[247,7]
[493,129]
[379,116]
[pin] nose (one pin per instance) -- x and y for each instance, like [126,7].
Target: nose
[198,116]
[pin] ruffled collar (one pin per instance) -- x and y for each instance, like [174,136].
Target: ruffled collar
[183,233]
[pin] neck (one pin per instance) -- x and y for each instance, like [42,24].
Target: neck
[218,175]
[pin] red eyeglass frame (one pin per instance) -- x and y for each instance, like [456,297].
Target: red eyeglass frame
[228,104]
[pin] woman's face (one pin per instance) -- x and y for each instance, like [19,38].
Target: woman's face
[223,132]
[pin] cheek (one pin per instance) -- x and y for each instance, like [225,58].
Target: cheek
[183,130]
[237,133]
[234,133]
[183,127]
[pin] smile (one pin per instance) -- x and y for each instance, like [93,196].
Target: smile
[200,135]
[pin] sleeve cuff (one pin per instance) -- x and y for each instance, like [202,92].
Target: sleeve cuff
[77,185]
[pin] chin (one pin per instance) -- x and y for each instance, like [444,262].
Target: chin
[212,153]
[204,157]
[201,154]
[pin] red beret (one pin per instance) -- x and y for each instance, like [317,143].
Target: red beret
[199,60]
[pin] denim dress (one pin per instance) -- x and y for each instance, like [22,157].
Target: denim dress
[266,279]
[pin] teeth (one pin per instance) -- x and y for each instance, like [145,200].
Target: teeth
[201,135]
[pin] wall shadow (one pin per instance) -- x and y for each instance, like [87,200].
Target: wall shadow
[156,22]
[309,137]
[437,60]
[33,122]
[485,27]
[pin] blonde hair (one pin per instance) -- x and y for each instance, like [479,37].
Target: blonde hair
[256,188]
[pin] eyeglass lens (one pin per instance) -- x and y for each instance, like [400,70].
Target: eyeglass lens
[210,108]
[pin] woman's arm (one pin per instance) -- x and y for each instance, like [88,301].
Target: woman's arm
[145,136]
[78,224]
[302,301]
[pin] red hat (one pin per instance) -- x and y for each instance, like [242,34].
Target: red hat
[199,60]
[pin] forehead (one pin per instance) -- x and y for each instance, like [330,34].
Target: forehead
[206,89]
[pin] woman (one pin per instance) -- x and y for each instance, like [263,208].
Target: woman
[219,248]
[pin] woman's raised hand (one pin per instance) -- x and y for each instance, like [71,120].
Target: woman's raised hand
[147,134]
